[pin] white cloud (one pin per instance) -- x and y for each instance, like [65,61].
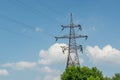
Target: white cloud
[3,72]
[93,28]
[48,70]
[50,74]
[49,77]
[53,55]
[21,65]
[107,55]
[38,29]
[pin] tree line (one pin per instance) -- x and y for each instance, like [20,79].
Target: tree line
[86,73]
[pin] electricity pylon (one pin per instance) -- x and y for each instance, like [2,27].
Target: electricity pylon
[72,58]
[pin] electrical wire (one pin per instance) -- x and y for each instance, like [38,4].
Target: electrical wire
[36,11]
[33,10]
[13,32]
[16,21]
[24,25]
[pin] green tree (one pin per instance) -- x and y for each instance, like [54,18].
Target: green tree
[81,73]
[71,73]
[107,78]
[116,76]
[93,78]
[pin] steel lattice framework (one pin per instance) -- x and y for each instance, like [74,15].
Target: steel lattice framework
[72,58]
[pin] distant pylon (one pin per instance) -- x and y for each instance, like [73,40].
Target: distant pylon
[72,58]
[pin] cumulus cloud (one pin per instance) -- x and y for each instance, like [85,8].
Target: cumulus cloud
[107,55]
[48,58]
[53,55]
[20,65]
[3,72]
[49,77]
[38,29]
[50,74]
[93,28]
[48,70]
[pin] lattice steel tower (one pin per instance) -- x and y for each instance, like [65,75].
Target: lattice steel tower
[72,58]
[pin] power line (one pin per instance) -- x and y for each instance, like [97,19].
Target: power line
[24,25]
[36,11]
[13,32]
[33,10]
[50,9]
[39,13]
[16,21]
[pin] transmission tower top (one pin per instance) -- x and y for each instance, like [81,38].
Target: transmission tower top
[71,19]
[72,57]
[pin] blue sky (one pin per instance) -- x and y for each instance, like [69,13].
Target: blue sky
[28,27]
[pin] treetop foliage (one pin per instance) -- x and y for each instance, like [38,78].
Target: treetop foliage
[85,73]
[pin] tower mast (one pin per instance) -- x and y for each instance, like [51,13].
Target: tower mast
[72,58]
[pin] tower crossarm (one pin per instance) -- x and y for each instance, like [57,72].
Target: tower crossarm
[81,36]
[68,37]
[72,26]
[61,37]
